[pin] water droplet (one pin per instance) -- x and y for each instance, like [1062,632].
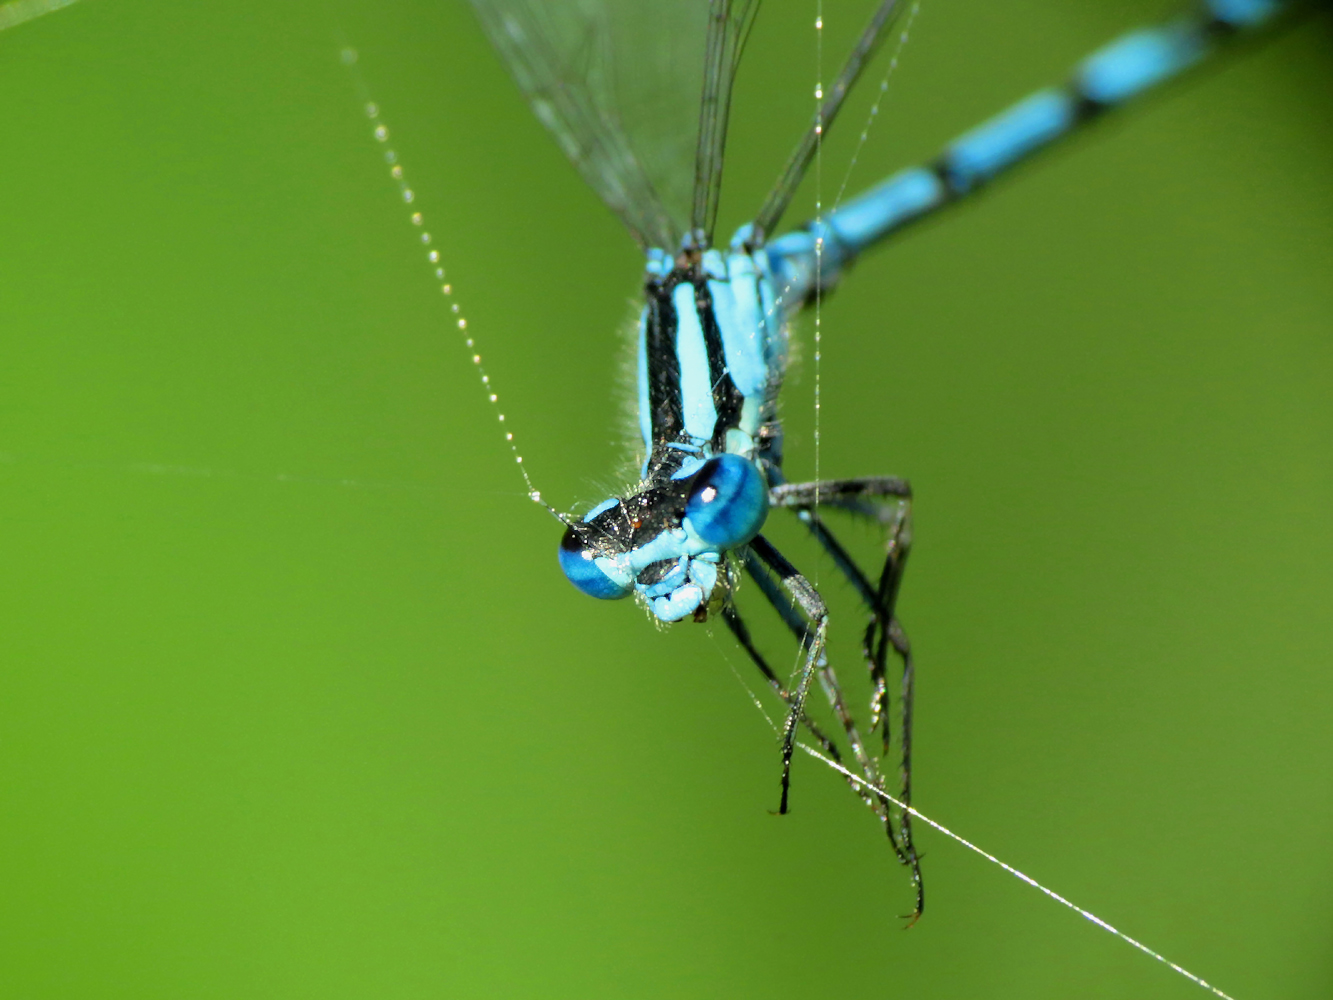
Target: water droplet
[396,172]
[434,257]
[372,109]
[819,24]
[447,289]
[390,156]
[462,324]
[381,133]
[425,237]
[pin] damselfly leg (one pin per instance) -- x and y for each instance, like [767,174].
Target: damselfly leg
[741,632]
[809,621]
[886,501]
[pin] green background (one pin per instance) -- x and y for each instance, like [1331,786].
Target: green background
[294,702]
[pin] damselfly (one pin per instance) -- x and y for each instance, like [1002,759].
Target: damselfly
[291,689]
[639,98]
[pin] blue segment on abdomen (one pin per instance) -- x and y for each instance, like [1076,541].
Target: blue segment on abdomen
[696,384]
[1244,13]
[994,145]
[1136,62]
[885,206]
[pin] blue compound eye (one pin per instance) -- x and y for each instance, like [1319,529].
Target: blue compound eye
[728,501]
[579,561]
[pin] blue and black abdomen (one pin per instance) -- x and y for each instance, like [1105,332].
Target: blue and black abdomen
[1111,76]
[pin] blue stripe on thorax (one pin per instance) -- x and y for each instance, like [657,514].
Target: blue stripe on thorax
[711,346]
[696,385]
[739,310]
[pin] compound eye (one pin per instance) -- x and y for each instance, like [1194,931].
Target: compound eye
[579,560]
[728,501]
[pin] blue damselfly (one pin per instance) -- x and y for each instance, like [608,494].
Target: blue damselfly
[639,99]
[712,339]
[393,740]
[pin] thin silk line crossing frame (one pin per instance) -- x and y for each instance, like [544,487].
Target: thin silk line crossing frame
[17,11]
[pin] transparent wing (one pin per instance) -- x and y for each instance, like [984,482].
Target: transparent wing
[728,28]
[636,92]
[778,199]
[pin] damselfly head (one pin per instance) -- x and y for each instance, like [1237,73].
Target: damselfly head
[666,542]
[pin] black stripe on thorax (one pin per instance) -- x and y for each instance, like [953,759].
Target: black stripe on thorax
[664,401]
[727,399]
[664,395]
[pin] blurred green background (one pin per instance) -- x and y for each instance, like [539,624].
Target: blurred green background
[294,702]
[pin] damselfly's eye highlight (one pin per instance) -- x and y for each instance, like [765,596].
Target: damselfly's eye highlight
[728,501]
[587,569]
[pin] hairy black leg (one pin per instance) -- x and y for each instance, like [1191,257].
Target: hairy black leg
[870,787]
[742,634]
[882,499]
[864,498]
[865,494]
[904,649]
[874,648]
[772,590]
[783,605]
[890,633]
[873,497]
[811,605]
